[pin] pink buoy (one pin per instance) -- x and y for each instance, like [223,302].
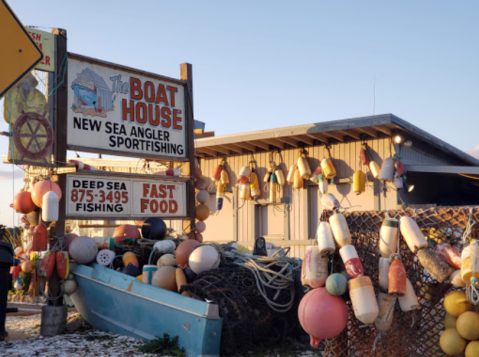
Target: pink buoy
[322,315]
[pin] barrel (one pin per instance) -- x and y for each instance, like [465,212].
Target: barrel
[397,278]
[303,167]
[388,237]
[384,265]
[290,177]
[359,182]
[384,304]
[434,264]
[408,302]
[363,299]
[243,175]
[375,169]
[351,261]
[340,229]
[412,234]
[316,268]
[324,236]
[329,171]
[470,262]
[387,170]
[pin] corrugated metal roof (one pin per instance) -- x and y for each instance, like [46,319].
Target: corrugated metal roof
[95,78]
[329,132]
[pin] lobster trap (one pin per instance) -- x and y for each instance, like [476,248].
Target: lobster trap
[414,333]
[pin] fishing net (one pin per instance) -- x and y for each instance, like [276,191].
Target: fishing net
[248,321]
[414,333]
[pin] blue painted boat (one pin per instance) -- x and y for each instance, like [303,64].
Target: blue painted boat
[86,93]
[118,303]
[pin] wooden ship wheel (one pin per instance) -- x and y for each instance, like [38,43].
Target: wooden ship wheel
[33,136]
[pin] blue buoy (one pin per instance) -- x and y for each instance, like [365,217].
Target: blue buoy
[336,284]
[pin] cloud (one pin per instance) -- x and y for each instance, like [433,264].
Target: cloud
[7,175]
[474,152]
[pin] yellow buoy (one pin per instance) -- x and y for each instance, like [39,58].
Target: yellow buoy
[329,171]
[359,182]
[472,349]
[467,325]
[452,343]
[450,322]
[456,303]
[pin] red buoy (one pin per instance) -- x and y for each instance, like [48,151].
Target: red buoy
[397,278]
[40,239]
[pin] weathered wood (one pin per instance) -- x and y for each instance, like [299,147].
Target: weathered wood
[369,131]
[307,139]
[383,129]
[261,145]
[320,137]
[61,98]
[222,150]
[245,146]
[467,170]
[275,143]
[290,141]
[335,135]
[233,148]
[351,133]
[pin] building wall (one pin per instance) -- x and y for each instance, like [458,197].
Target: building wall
[294,221]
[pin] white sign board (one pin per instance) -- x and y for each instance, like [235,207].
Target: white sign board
[92,196]
[46,42]
[124,113]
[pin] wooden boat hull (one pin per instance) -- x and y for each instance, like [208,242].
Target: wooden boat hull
[118,303]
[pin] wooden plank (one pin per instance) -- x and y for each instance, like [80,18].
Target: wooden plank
[222,150]
[61,98]
[320,137]
[352,133]
[307,139]
[232,148]
[261,145]
[335,135]
[466,170]
[246,146]
[383,129]
[113,174]
[207,151]
[369,131]
[275,143]
[290,141]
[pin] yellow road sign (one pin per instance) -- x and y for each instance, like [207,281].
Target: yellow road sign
[19,52]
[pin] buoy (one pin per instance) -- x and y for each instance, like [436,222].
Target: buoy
[383,321]
[200,226]
[202,212]
[324,236]
[467,325]
[198,172]
[351,261]
[315,268]
[363,299]
[244,175]
[400,169]
[217,174]
[384,265]
[254,186]
[131,270]
[170,172]
[70,286]
[364,157]
[434,264]
[184,250]
[39,239]
[220,194]
[322,315]
[202,196]
[359,182]
[456,303]
[336,284]
[167,260]
[408,302]
[130,258]
[398,181]
[322,185]
[328,201]
[18,284]
[200,184]
[451,256]
[450,322]
[470,262]
[41,188]
[374,168]
[69,237]
[126,233]
[268,173]
[180,281]
[329,171]
[412,234]
[340,229]
[387,170]
[388,237]
[105,257]
[104,242]
[456,279]
[62,264]
[83,250]
[15,271]
[155,228]
[279,176]
[397,278]
[316,173]
[472,349]
[452,343]
[22,203]
[303,167]
[27,267]
[290,176]
[165,246]
[298,180]
[47,264]
[204,258]
[245,192]
[165,278]
[147,273]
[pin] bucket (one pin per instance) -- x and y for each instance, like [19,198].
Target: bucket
[148,271]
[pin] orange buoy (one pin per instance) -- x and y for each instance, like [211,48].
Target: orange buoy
[130,258]
[22,202]
[41,188]
[364,157]
[217,173]
[124,232]
[244,174]
[62,264]
[180,281]
[27,267]
[40,239]
[47,264]
[397,278]
[202,212]
[198,173]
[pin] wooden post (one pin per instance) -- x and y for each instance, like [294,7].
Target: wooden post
[186,74]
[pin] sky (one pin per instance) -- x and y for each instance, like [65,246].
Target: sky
[267,64]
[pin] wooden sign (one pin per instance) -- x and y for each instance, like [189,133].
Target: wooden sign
[113,196]
[46,42]
[122,111]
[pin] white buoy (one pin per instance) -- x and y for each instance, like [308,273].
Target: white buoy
[290,177]
[83,250]
[340,229]
[384,303]
[456,279]
[398,181]
[351,261]
[324,236]
[323,186]
[50,206]
[375,169]
[363,299]
[384,265]
[244,174]
[387,170]
[412,234]
[408,302]
[315,268]
[204,258]
[328,201]
[388,237]
[303,167]
[70,286]
[280,176]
